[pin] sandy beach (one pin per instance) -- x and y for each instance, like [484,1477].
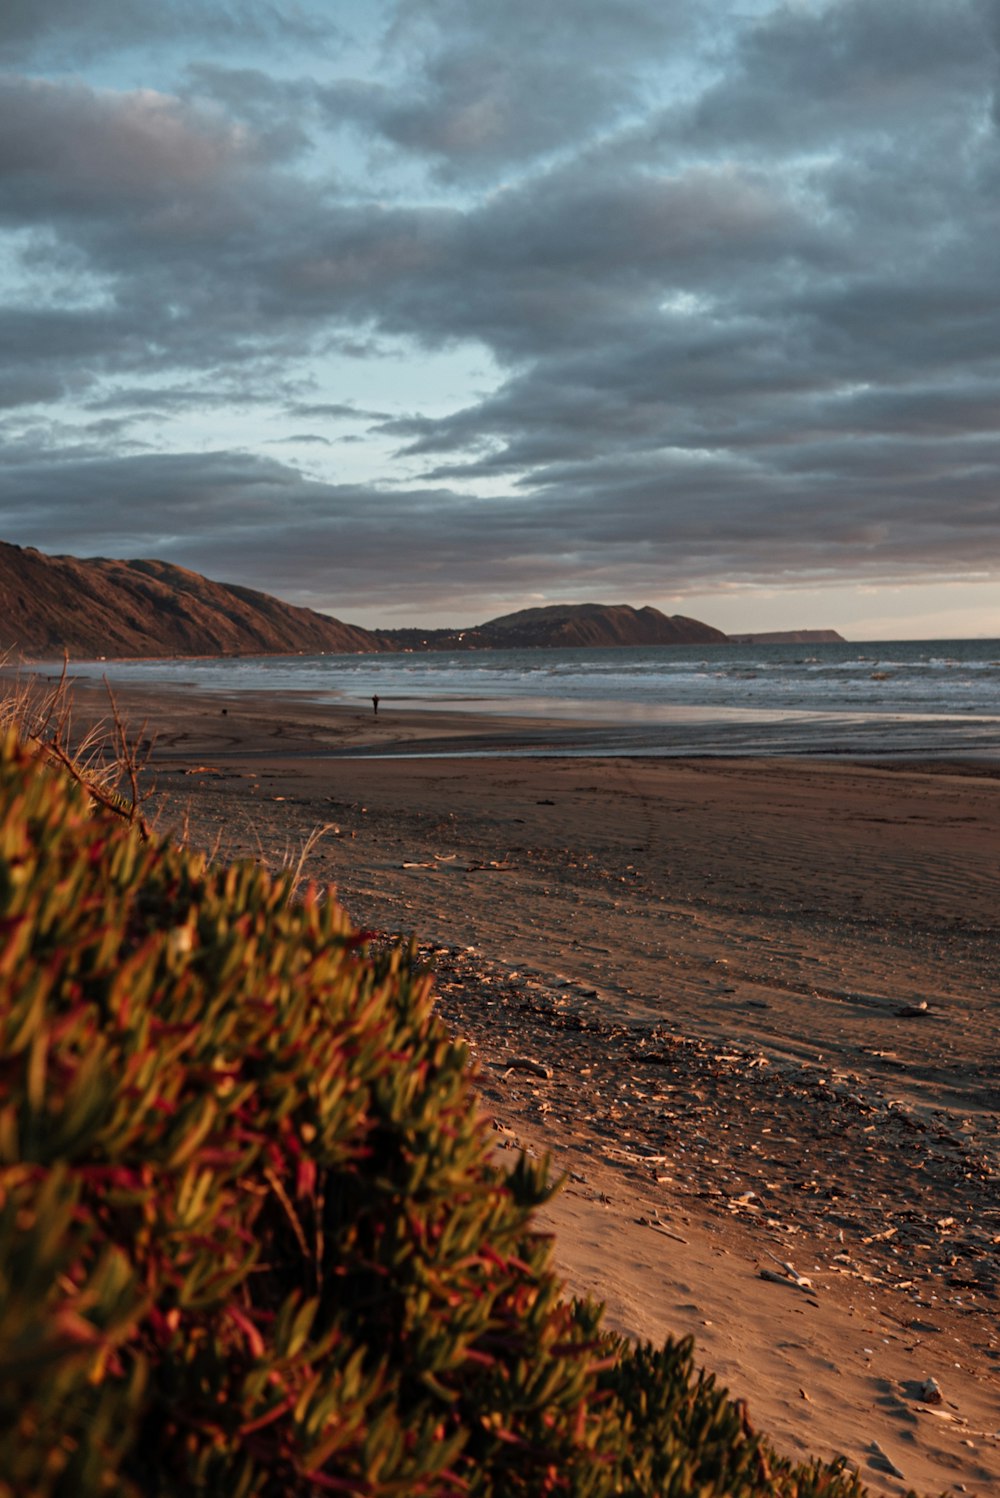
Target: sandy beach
[750,1007]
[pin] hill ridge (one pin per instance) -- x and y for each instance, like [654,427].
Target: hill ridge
[100,606]
[565,626]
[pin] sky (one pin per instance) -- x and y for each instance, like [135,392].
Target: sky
[422,311]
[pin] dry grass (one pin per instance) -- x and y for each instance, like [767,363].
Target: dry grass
[113,763]
[108,759]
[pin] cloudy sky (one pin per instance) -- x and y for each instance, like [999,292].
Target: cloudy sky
[419,311]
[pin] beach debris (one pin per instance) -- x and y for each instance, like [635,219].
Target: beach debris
[882,1237]
[946,1415]
[930,1391]
[654,1220]
[774,1278]
[789,1275]
[528,1064]
[913,1011]
[428,863]
[882,1461]
[784,1148]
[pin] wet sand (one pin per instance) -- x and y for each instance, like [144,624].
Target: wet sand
[761,1003]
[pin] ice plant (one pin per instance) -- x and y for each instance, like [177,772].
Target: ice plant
[252,1239]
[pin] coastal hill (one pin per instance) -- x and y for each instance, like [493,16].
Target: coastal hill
[95,606]
[563,626]
[98,607]
[791,637]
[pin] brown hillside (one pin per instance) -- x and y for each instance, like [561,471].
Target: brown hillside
[100,607]
[561,626]
[590,624]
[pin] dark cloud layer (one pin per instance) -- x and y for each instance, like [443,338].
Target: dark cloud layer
[70,31]
[486,87]
[736,279]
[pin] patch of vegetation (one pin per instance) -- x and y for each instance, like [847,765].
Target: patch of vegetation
[252,1240]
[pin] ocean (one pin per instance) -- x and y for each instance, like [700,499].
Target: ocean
[926,697]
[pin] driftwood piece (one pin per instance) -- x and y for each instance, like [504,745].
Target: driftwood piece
[789,1275]
[534,1068]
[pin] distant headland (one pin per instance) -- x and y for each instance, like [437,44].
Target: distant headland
[562,627]
[95,607]
[790,637]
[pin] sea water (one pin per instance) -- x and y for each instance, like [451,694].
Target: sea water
[897,697]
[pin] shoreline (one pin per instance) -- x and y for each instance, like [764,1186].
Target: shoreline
[854,724]
[480,729]
[712,960]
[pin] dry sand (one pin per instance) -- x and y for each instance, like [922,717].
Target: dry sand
[718,970]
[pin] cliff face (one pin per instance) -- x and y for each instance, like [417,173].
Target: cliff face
[98,607]
[564,626]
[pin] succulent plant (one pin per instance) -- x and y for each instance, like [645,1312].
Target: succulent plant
[252,1238]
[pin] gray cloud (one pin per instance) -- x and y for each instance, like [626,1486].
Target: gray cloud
[67,30]
[739,282]
[275,110]
[671,525]
[335,411]
[154,399]
[67,150]
[484,87]
[805,78]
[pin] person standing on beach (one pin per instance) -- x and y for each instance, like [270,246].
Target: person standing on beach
[375,705]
